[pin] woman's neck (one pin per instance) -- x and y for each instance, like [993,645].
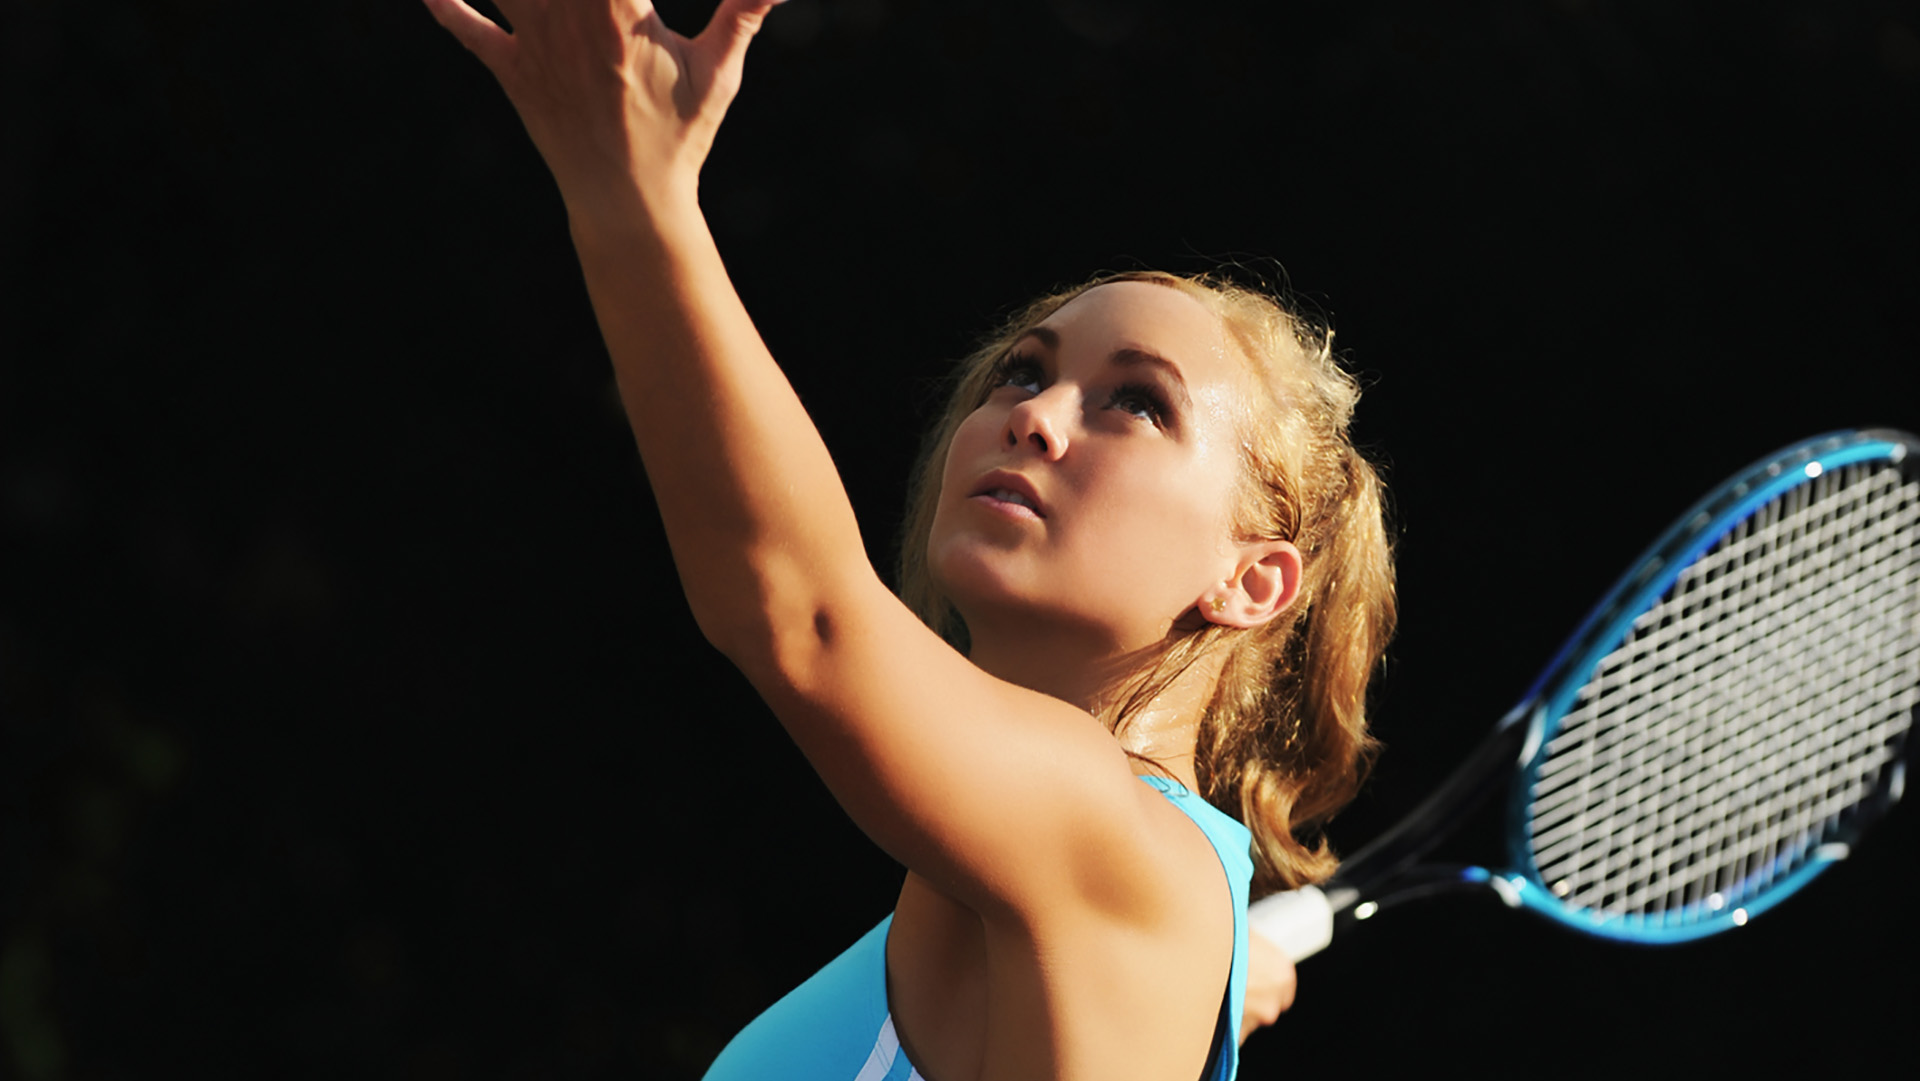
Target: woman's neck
[1163,730]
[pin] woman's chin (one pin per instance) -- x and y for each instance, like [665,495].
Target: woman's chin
[975,574]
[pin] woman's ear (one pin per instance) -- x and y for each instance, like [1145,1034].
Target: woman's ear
[1265,584]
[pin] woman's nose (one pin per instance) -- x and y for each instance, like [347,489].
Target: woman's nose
[1037,422]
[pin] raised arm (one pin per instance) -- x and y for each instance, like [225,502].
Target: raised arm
[624,111]
[999,795]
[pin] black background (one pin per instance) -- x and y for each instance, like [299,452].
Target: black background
[354,724]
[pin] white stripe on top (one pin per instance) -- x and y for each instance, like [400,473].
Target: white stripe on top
[886,1048]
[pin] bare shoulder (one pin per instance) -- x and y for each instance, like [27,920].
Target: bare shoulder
[1139,992]
[1102,984]
[1187,873]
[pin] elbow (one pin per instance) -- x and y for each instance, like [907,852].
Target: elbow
[783,621]
[738,635]
[774,645]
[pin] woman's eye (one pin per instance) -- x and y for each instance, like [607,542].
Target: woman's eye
[1021,373]
[1139,401]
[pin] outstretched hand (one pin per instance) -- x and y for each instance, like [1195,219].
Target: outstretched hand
[618,104]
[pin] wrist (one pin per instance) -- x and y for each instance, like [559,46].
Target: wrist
[632,214]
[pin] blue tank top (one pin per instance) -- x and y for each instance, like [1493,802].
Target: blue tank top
[837,1026]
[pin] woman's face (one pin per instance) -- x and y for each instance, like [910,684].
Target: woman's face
[1094,487]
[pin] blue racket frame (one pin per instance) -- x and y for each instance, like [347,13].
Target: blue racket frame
[1553,694]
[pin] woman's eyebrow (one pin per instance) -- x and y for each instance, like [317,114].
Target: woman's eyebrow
[1130,358]
[1047,335]
[1124,357]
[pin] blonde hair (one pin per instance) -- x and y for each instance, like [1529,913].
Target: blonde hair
[1283,743]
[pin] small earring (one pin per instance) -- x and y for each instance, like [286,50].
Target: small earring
[1219,605]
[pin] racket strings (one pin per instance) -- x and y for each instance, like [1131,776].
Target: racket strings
[1745,713]
[1760,832]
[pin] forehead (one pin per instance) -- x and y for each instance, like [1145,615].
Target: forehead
[1154,317]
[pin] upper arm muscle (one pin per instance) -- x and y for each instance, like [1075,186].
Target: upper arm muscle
[1000,795]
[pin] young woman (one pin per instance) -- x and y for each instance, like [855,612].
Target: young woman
[1141,524]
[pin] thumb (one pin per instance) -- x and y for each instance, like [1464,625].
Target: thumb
[481,35]
[728,34]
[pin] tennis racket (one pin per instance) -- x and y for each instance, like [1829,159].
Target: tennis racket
[1722,726]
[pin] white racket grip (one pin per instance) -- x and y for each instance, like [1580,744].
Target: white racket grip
[1300,921]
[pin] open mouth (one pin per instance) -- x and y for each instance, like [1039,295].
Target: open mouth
[1010,490]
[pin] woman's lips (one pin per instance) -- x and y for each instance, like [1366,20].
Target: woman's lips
[1010,493]
[1008,502]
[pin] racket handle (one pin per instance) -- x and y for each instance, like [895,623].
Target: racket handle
[1300,921]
